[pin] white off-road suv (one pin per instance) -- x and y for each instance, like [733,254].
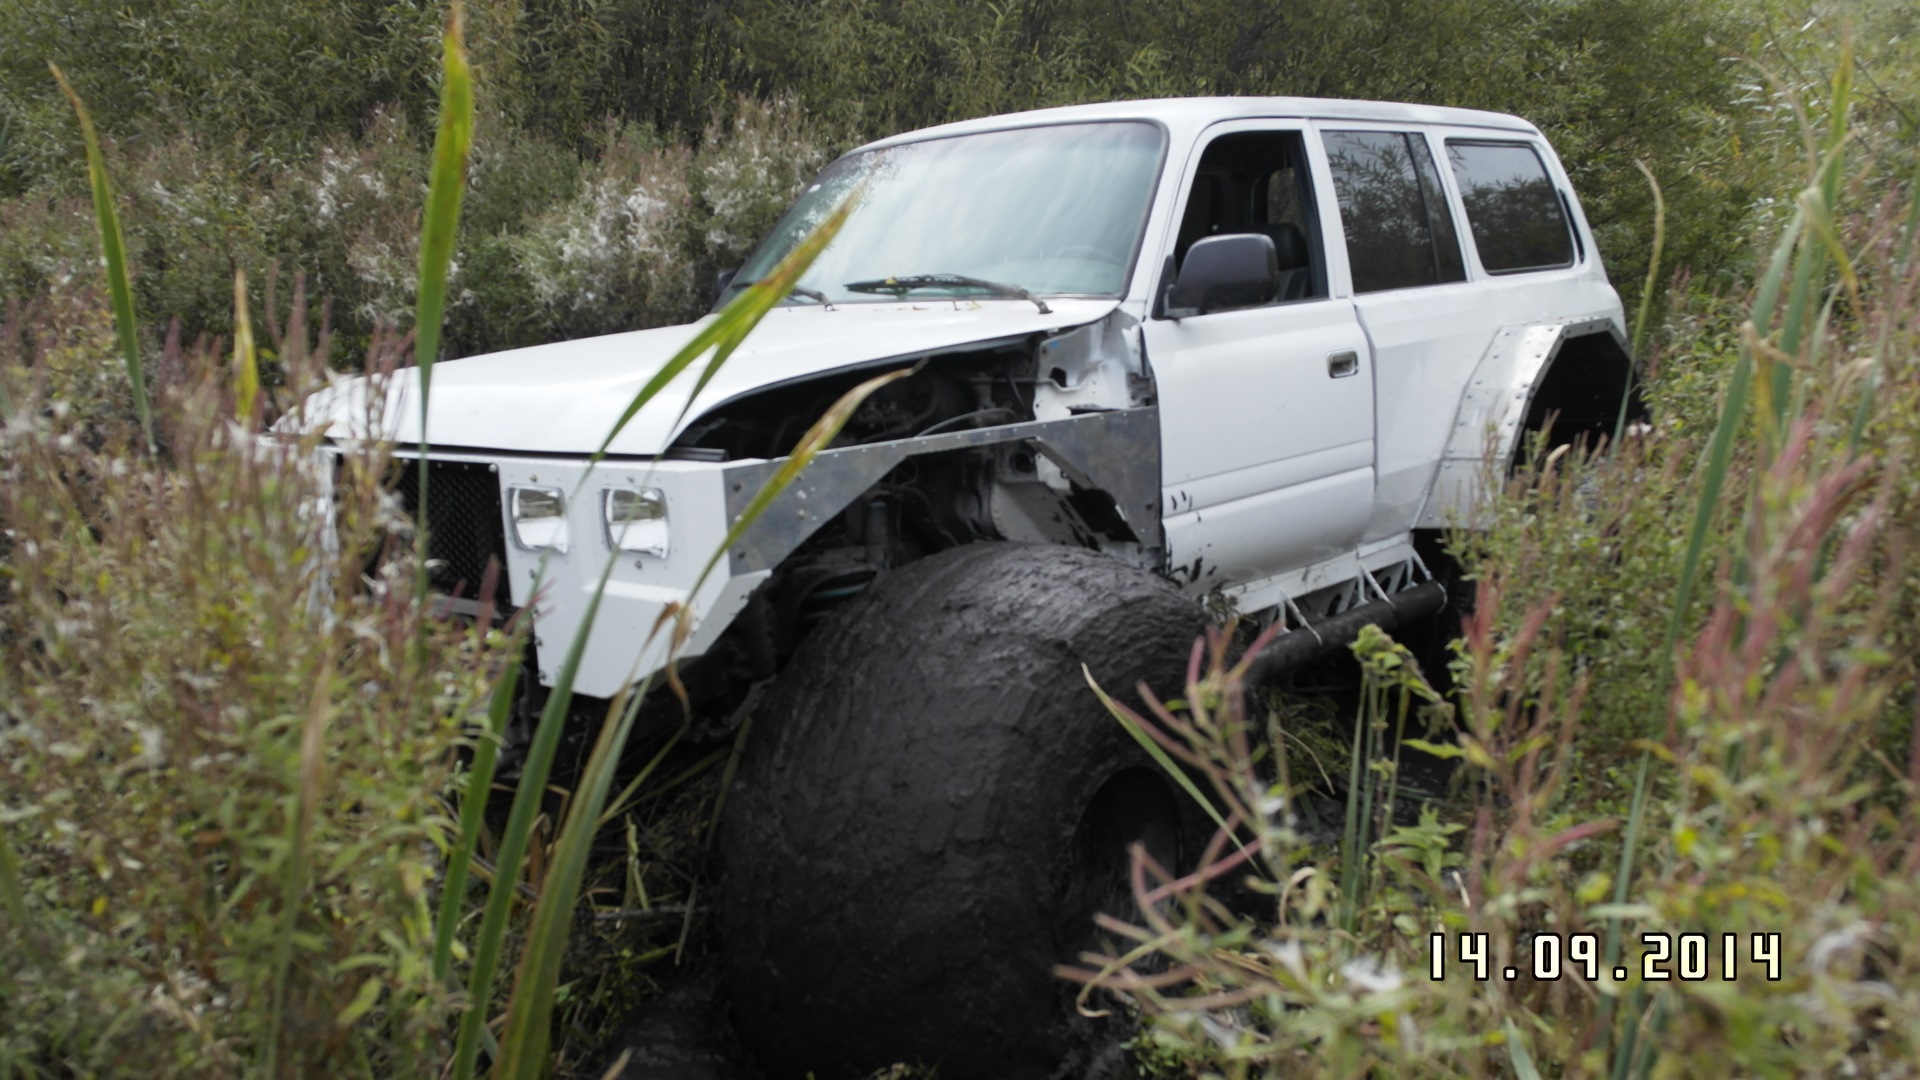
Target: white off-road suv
[1259,349]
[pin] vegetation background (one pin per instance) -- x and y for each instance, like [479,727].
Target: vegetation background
[160,663]
[628,148]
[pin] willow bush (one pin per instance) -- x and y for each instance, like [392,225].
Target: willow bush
[250,140]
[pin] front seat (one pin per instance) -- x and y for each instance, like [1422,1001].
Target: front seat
[1290,252]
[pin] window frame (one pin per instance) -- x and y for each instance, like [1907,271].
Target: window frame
[1331,268]
[1409,129]
[1576,241]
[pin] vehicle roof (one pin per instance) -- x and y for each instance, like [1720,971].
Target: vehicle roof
[1191,113]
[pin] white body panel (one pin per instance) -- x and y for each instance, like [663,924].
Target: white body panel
[1428,341]
[1266,457]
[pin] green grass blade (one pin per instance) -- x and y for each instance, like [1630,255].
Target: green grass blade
[1840,101]
[532,1000]
[727,775]
[513,851]
[1767,297]
[1161,758]
[113,251]
[246,365]
[1621,883]
[13,898]
[473,806]
[513,843]
[1904,262]
[293,890]
[1650,1047]
[624,800]
[1519,1055]
[452,144]
[1808,264]
[1720,446]
[1863,413]
[1636,353]
[1646,298]
[1653,259]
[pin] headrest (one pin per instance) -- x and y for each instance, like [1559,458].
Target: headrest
[1289,243]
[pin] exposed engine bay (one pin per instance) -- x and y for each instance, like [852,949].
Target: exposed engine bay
[1011,473]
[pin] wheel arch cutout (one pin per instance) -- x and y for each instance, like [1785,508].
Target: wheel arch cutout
[1572,379]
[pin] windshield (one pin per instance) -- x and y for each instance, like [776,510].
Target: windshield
[1053,210]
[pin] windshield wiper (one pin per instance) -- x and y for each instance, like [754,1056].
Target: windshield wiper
[814,295]
[901,286]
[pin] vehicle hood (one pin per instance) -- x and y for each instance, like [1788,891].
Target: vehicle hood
[565,397]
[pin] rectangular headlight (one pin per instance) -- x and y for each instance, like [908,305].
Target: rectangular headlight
[636,520]
[539,516]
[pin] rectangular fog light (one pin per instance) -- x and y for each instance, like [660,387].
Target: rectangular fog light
[539,516]
[637,520]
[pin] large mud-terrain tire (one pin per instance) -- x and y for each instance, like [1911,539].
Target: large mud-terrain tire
[932,806]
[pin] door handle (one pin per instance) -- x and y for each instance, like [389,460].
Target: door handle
[1343,363]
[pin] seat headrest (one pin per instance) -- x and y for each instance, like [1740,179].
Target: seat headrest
[1289,243]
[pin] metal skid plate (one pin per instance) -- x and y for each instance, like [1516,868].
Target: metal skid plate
[1115,451]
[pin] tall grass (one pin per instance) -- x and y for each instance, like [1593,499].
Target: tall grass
[221,766]
[113,255]
[523,1051]
[446,186]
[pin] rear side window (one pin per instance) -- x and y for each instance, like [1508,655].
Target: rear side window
[1512,208]
[1399,231]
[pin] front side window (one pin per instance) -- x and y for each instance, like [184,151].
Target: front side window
[1399,232]
[1056,210]
[1257,183]
[1513,210]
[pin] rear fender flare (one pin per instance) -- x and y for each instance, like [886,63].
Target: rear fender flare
[1515,389]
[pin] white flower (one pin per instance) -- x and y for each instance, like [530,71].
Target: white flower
[1372,975]
[1289,955]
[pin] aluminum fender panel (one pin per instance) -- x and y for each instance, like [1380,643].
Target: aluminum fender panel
[1486,427]
[1116,451]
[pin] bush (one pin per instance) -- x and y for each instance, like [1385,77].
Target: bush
[605,85]
[554,246]
[222,761]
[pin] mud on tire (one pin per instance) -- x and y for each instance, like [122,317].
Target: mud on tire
[933,804]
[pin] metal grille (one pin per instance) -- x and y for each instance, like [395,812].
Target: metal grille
[464,528]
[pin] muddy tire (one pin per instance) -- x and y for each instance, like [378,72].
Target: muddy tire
[932,806]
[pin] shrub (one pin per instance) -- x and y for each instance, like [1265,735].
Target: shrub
[604,258]
[221,762]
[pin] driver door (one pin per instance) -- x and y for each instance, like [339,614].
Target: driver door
[1266,413]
